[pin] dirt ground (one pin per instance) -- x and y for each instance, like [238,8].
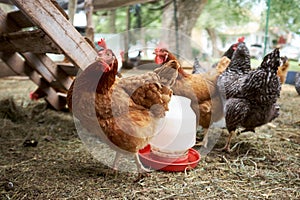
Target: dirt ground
[42,157]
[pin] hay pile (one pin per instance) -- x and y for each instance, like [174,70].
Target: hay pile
[264,165]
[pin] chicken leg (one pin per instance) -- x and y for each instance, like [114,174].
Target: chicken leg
[141,169]
[204,140]
[227,145]
[116,161]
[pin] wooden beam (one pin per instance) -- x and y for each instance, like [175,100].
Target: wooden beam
[46,16]
[112,4]
[107,4]
[19,66]
[35,41]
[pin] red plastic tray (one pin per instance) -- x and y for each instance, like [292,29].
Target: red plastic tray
[180,165]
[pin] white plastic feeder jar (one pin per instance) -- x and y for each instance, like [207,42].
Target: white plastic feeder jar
[178,131]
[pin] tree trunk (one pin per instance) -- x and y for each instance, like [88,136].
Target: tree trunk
[187,15]
[72,6]
[127,34]
[213,36]
[89,32]
[112,21]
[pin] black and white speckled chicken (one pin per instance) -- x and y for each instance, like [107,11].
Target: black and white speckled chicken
[244,113]
[253,102]
[261,85]
[239,66]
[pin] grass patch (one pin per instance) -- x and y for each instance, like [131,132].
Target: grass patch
[294,66]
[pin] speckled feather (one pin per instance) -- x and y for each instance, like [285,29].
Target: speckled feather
[252,102]
[239,66]
[261,85]
[243,113]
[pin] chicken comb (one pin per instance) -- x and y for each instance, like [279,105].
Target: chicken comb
[102,43]
[241,39]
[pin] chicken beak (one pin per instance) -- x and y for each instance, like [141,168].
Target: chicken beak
[166,57]
[98,59]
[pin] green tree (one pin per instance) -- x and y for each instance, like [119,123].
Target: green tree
[150,15]
[187,13]
[218,14]
[285,15]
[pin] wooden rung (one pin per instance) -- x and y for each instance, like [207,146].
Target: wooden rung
[69,68]
[19,19]
[48,69]
[36,64]
[55,99]
[5,24]
[35,41]
[6,71]
[18,65]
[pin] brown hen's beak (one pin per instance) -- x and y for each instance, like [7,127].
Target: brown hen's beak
[166,56]
[98,59]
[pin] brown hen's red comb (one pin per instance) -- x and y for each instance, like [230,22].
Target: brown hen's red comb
[241,39]
[102,43]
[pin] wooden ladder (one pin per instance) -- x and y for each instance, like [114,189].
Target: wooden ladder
[37,28]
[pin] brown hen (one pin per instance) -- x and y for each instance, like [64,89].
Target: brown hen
[201,89]
[283,69]
[123,113]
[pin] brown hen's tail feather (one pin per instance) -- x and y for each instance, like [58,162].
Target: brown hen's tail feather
[168,73]
[222,64]
[151,90]
[283,69]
